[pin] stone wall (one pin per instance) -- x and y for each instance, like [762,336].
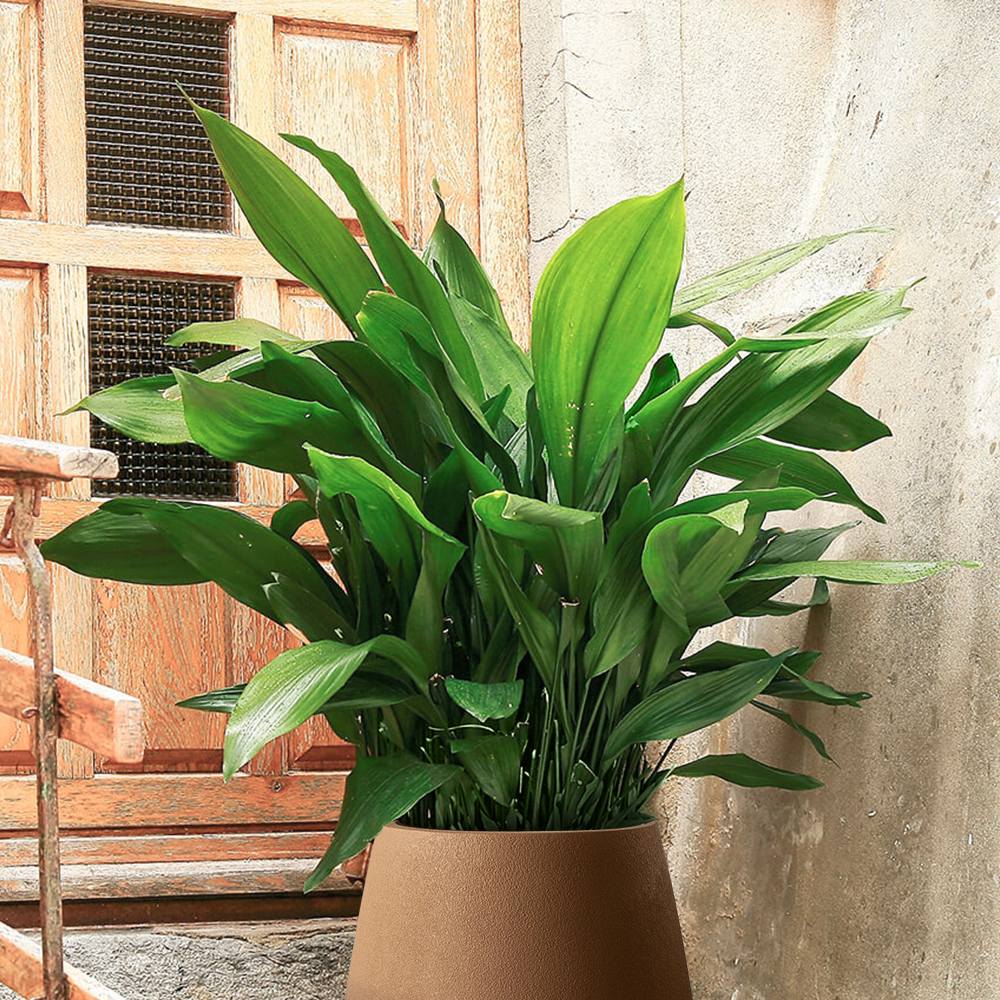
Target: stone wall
[793,118]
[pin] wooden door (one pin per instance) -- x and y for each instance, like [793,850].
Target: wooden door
[113,231]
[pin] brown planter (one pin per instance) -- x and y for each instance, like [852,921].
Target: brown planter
[580,915]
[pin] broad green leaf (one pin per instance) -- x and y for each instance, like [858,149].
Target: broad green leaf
[793,685]
[739,769]
[379,790]
[486,701]
[740,277]
[852,571]
[239,554]
[221,700]
[313,616]
[663,375]
[139,409]
[722,655]
[452,260]
[830,423]
[499,360]
[818,745]
[681,320]
[402,269]
[692,704]
[298,228]
[287,519]
[296,685]
[116,542]
[567,543]
[493,762]
[797,468]
[247,333]
[687,559]
[758,501]
[601,307]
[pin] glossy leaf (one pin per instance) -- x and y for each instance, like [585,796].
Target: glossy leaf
[294,686]
[139,409]
[856,571]
[739,769]
[246,333]
[486,701]
[493,761]
[600,310]
[692,704]
[379,790]
[298,228]
[830,423]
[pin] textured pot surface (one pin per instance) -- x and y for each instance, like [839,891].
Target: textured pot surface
[581,915]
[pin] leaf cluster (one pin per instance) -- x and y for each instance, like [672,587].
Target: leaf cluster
[516,580]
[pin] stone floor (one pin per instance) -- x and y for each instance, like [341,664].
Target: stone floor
[265,961]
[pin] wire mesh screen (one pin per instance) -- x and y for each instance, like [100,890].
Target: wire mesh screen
[130,317]
[148,160]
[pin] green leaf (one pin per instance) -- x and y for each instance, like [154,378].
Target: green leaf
[452,260]
[117,542]
[298,228]
[247,333]
[296,685]
[313,616]
[138,408]
[740,277]
[486,701]
[287,519]
[239,554]
[852,571]
[797,468]
[694,703]
[403,270]
[830,423]
[567,543]
[493,762]
[499,360]
[599,314]
[662,376]
[221,700]
[379,790]
[818,745]
[739,769]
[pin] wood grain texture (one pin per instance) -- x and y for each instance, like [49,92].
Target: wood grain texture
[395,15]
[64,140]
[50,459]
[20,167]
[66,375]
[186,878]
[347,91]
[20,320]
[173,849]
[133,248]
[305,315]
[164,644]
[252,86]
[503,179]
[95,716]
[178,800]
[447,122]
[15,633]
[21,970]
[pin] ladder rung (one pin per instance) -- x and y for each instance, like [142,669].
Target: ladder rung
[55,461]
[98,717]
[21,970]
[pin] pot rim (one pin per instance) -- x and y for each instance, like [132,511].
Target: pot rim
[396,825]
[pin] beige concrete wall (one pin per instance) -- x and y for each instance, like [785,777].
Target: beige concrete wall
[791,118]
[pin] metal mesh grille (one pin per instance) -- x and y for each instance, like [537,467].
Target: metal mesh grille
[148,160]
[130,317]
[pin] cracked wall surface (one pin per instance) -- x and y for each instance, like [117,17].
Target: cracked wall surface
[792,118]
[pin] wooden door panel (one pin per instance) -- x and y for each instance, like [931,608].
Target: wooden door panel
[402,89]
[163,644]
[348,91]
[20,170]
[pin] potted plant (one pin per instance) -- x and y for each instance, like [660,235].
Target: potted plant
[519,584]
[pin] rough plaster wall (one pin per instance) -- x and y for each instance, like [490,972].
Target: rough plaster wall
[791,118]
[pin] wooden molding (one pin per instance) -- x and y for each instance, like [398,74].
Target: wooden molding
[95,716]
[21,970]
[55,461]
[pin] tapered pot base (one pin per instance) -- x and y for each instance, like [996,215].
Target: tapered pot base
[579,915]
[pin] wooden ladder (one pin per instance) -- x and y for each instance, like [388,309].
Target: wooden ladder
[62,706]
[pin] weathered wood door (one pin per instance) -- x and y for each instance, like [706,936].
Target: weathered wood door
[115,230]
